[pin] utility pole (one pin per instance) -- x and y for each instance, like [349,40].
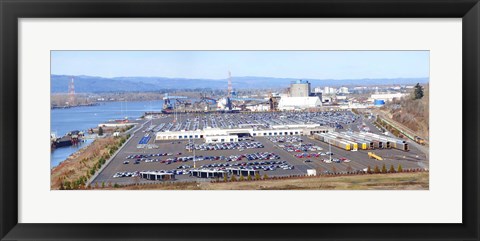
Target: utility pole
[194,157]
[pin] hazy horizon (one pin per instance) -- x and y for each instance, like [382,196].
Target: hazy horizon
[214,65]
[268,77]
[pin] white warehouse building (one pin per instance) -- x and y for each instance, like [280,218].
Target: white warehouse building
[231,135]
[299,103]
[387,96]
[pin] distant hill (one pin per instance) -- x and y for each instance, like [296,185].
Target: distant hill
[83,83]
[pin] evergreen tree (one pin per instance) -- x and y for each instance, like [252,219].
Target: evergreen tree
[369,170]
[392,169]
[418,92]
[399,169]
[376,169]
[233,178]
[241,178]
[100,131]
[265,177]
[225,178]
[384,168]
[67,186]
[249,178]
[257,176]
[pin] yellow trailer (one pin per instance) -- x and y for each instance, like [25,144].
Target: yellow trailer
[364,146]
[375,156]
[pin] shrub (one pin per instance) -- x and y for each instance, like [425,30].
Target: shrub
[384,168]
[392,169]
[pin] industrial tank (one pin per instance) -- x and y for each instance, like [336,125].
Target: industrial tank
[379,102]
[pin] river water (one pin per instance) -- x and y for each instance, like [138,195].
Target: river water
[86,117]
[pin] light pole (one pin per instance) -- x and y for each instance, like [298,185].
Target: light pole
[194,157]
[330,150]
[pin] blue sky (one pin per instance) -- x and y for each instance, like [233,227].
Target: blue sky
[216,64]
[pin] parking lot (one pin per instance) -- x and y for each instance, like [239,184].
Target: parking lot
[273,156]
[190,121]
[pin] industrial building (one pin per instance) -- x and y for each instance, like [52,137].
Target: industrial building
[300,97]
[154,176]
[329,90]
[259,107]
[300,88]
[387,97]
[243,172]
[354,141]
[299,103]
[212,135]
[205,173]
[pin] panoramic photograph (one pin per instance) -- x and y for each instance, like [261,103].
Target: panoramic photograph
[239,120]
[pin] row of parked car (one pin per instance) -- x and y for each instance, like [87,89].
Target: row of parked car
[254,156]
[224,146]
[336,160]
[308,155]
[263,165]
[285,139]
[135,174]
[151,155]
[126,174]
[301,147]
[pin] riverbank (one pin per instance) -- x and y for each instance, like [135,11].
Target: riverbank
[74,172]
[73,106]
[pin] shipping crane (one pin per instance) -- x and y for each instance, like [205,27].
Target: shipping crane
[169,105]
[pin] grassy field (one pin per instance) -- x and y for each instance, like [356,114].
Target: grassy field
[395,181]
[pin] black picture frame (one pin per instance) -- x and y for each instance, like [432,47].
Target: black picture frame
[12,10]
